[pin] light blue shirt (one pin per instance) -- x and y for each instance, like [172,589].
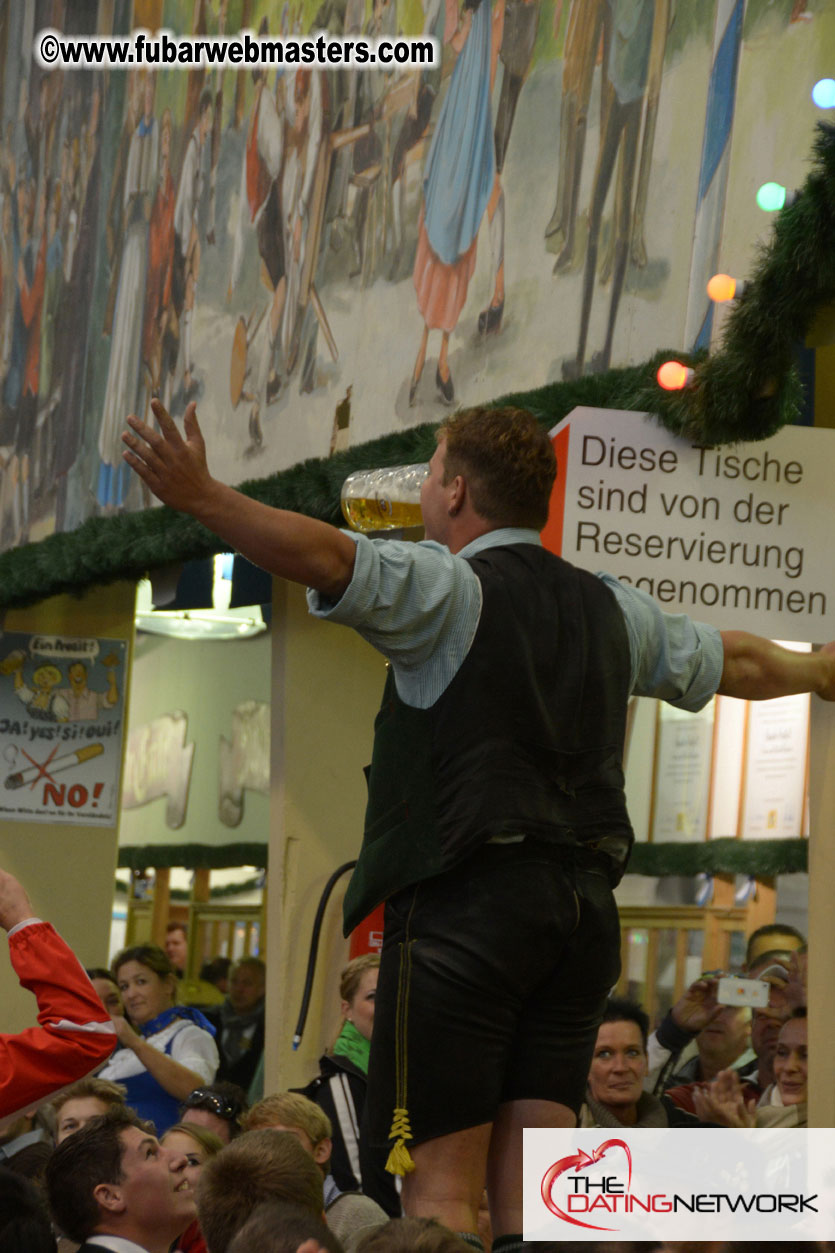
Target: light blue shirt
[420,605]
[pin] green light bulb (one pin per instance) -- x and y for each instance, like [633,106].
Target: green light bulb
[771,196]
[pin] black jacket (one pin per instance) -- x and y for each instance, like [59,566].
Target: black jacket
[243,1070]
[339,1090]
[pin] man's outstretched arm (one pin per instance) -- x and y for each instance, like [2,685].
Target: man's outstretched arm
[75,1035]
[758,669]
[288,544]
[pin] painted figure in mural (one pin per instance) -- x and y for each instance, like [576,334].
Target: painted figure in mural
[217,129]
[6,282]
[306,132]
[586,24]
[637,26]
[260,207]
[186,237]
[41,129]
[13,383]
[31,283]
[126,341]
[655,71]
[72,334]
[54,285]
[427,86]
[115,213]
[69,204]
[196,80]
[7,170]
[459,184]
[15,471]
[521,21]
[340,17]
[159,324]
[47,436]
[7,305]
[367,152]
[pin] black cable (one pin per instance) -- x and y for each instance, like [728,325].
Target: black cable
[314,948]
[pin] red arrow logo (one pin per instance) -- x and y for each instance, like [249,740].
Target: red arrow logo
[579,1161]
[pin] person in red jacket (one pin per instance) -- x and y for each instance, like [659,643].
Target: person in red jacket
[75,1034]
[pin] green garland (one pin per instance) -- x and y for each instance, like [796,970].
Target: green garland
[764,858]
[745,391]
[192,856]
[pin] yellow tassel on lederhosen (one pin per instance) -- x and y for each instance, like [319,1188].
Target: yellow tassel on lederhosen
[400,1159]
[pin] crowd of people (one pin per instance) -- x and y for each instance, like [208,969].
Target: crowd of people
[496,831]
[159,1150]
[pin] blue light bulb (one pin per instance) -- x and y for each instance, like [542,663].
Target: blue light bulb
[823,93]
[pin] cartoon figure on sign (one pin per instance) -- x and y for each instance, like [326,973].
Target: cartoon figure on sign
[47,702]
[81,701]
[41,701]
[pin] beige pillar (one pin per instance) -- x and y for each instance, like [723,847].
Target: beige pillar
[326,688]
[67,870]
[821,914]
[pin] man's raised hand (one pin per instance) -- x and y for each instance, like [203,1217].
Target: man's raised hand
[697,1007]
[14,903]
[174,467]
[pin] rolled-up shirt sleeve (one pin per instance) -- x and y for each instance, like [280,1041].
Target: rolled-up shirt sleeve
[674,658]
[417,604]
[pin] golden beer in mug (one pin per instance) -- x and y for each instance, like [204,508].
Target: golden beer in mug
[384,500]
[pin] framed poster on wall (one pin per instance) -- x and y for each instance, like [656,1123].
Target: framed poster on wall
[681,785]
[775,769]
[61,726]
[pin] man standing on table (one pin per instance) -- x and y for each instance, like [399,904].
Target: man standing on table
[496,823]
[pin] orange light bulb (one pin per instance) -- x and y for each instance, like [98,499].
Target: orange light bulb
[721,288]
[672,376]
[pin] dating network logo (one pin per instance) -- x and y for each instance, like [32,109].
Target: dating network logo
[581,1194]
[580,1188]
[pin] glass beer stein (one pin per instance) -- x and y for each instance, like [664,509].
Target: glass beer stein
[384,500]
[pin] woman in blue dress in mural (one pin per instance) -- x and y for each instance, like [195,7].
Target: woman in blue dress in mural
[459,182]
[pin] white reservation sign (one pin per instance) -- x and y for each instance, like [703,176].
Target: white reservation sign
[737,536]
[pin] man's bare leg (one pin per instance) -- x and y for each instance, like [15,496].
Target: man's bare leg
[448,1178]
[504,1162]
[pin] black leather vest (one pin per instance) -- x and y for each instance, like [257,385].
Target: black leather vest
[526,739]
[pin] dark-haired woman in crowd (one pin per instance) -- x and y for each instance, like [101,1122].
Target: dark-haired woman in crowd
[170,1050]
